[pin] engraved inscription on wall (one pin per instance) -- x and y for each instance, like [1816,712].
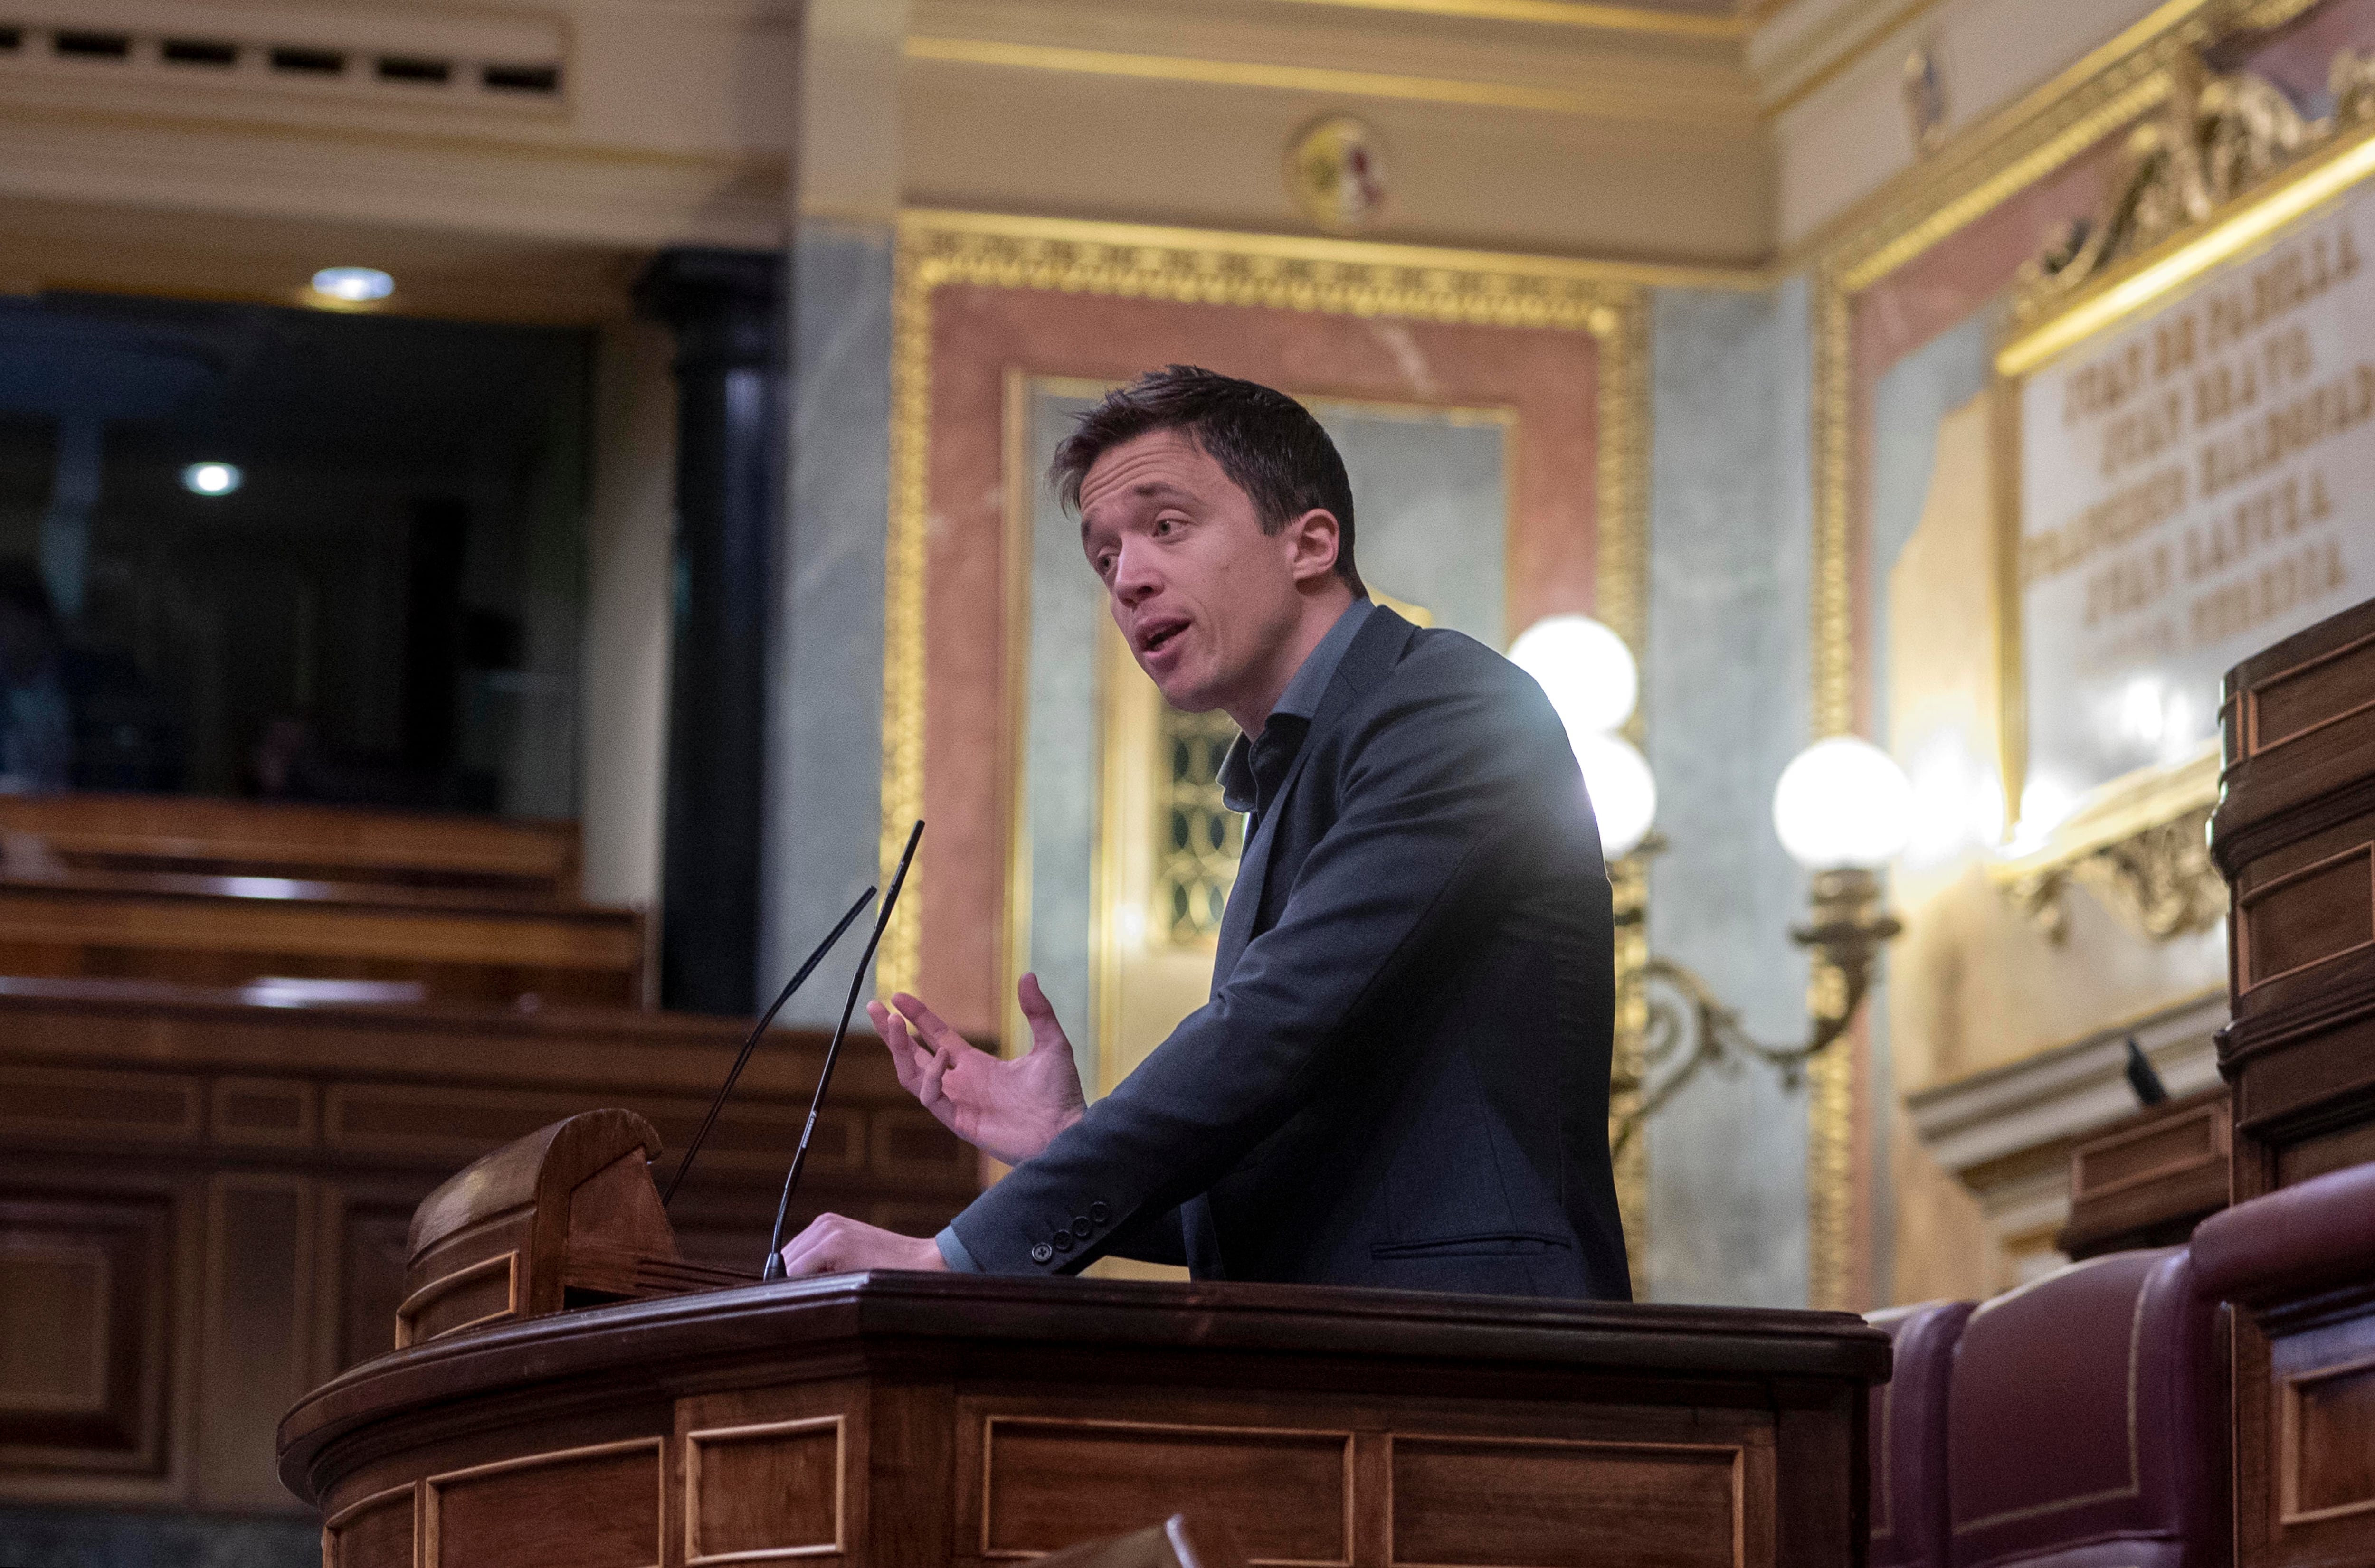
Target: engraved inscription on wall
[2193,487]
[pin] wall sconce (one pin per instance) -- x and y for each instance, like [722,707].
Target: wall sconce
[1843,809]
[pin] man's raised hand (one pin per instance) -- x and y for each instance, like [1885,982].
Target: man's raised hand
[1008,1110]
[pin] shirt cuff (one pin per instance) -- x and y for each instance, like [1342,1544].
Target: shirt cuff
[953,1252]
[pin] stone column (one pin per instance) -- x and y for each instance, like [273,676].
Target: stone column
[727,309]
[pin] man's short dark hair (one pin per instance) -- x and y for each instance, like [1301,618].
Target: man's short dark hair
[1267,443]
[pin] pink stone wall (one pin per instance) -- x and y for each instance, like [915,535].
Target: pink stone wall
[1548,378]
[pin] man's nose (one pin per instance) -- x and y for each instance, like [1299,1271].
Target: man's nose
[1135,578]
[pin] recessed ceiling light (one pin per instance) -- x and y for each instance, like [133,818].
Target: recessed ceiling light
[212,479]
[353,285]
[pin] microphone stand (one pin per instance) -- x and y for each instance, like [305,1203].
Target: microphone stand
[775,1268]
[743,1059]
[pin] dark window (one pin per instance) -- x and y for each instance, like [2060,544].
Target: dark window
[385,611]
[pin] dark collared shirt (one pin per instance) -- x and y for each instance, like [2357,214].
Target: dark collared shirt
[1256,766]
[1250,775]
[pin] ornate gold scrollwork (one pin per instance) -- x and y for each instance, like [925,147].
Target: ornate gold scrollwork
[1682,1028]
[2214,139]
[2159,882]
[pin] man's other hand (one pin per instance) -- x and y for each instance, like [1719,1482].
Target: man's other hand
[1008,1110]
[835,1245]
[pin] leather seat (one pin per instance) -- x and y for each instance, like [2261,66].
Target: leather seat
[2296,1241]
[1909,1435]
[2086,1423]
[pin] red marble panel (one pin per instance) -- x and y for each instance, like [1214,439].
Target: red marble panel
[1549,378]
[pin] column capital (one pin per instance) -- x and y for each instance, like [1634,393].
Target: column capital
[724,305]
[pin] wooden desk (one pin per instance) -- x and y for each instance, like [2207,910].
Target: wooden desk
[2148,1179]
[927,1418]
[211,1197]
[2293,833]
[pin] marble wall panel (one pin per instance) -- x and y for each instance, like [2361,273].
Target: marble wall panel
[1726,684]
[824,746]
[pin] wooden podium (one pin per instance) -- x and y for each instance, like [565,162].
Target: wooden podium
[927,1419]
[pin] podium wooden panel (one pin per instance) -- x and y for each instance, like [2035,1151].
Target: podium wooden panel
[915,1418]
[2295,835]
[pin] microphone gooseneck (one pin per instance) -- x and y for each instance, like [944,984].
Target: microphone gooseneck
[743,1058]
[774,1266]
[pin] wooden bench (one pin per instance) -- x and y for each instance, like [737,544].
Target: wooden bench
[205,1203]
[501,949]
[210,837]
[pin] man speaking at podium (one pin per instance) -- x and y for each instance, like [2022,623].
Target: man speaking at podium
[1402,1078]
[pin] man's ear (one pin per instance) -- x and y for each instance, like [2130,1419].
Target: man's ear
[1312,539]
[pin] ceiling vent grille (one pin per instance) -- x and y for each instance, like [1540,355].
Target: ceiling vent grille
[451,60]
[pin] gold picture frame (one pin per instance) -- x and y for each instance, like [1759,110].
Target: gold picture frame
[938,249]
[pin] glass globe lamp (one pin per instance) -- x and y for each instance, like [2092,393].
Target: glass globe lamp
[1585,669]
[1624,793]
[1843,804]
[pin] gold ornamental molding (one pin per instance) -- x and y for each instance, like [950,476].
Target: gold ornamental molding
[2227,165]
[1204,267]
[2141,846]
[2133,848]
[2131,77]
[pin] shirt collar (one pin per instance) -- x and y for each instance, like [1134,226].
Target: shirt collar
[1299,700]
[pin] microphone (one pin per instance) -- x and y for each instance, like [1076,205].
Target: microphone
[743,1059]
[775,1268]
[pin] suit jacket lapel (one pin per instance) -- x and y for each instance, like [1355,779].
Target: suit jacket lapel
[1373,651]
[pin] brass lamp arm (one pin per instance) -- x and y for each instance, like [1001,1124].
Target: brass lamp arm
[1846,937]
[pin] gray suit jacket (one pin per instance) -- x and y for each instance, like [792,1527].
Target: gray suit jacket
[1402,1079]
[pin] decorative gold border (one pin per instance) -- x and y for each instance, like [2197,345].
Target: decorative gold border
[2141,285]
[2148,797]
[2103,92]
[1203,266]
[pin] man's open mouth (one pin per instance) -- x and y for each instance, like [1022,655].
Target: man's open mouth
[1152,640]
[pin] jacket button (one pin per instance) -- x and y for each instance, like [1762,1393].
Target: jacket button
[1098,1211]
[1063,1240]
[1080,1226]
[1042,1253]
